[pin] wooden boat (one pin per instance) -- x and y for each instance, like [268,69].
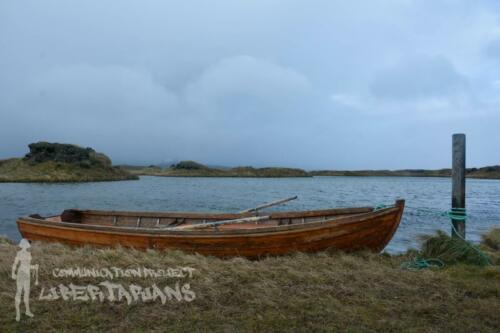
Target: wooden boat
[278,233]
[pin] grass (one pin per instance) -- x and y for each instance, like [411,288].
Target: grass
[18,170]
[455,250]
[327,291]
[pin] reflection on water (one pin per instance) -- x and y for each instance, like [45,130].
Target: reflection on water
[425,198]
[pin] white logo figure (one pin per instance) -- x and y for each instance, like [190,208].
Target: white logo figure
[22,276]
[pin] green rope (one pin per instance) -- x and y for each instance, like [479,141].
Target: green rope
[459,214]
[419,264]
[382,206]
[456,214]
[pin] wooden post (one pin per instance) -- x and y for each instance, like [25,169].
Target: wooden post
[458,184]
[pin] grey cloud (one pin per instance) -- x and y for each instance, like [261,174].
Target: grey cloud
[418,77]
[238,83]
[110,90]
[316,85]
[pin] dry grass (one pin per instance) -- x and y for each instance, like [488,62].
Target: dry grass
[452,250]
[328,291]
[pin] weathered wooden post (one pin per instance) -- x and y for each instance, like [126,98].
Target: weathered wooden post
[458,185]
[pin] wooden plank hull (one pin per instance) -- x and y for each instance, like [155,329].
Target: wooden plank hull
[371,230]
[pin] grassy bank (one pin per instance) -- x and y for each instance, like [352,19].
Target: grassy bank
[333,291]
[17,170]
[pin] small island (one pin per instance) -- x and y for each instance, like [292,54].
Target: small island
[57,162]
[195,169]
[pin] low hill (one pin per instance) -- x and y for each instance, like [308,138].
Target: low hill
[195,169]
[56,162]
[492,172]
[489,172]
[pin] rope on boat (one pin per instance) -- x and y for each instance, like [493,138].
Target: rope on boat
[382,206]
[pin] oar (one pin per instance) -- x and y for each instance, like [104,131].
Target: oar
[217,223]
[274,203]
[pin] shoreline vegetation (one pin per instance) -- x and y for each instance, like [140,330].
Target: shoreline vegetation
[325,291]
[195,169]
[55,163]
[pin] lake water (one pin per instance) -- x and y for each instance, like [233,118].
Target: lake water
[425,198]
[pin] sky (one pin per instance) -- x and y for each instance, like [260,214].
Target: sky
[309,84]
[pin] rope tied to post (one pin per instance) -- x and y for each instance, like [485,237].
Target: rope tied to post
[456,214]
[460,214]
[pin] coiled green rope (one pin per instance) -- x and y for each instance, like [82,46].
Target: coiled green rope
[418,264]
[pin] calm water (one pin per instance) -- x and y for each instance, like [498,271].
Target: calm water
[426,198]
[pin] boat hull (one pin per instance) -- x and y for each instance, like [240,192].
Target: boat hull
[371,230]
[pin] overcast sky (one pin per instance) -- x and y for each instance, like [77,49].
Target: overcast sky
[310,84]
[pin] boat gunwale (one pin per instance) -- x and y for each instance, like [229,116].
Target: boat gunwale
[216,215]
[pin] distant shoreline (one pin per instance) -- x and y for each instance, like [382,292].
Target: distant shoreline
[67,163]
[194,169]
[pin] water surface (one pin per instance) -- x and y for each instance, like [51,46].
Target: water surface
[426,198]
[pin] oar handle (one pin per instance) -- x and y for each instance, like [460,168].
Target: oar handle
[273,203]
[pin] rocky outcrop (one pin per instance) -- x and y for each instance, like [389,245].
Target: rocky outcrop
[64,153]
[59,162]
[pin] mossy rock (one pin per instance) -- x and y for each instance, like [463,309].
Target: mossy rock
[57,162]
[58,152]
